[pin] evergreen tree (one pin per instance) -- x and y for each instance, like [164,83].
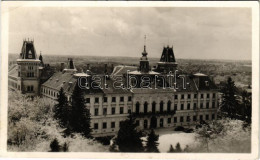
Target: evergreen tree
[229,101]
[178,147]
[246,106]
[80,115]
[61,109]
[186,149]
[171,150]
[152,142]
[128,138]
[55,147]
[65,147]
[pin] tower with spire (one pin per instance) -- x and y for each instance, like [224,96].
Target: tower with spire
[144,62]
[41,59]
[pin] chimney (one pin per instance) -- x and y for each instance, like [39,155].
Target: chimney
[61,66]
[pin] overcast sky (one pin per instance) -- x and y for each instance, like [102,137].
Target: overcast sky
[196,33]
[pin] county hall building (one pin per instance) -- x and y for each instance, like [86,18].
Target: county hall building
[153,96]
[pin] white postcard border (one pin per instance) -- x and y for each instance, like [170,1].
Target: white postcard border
[6,5]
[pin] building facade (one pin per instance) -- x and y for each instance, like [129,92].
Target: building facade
[157,103]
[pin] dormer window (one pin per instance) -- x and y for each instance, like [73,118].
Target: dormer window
[207,83]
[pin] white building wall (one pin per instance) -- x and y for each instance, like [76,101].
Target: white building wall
[142,98]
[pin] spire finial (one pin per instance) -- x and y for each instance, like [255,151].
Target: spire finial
[144,43]
[144,39]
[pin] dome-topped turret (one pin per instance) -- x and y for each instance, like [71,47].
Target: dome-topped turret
[144,62]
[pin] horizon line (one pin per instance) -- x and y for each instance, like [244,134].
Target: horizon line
[112,56]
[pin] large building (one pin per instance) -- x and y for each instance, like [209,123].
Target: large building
[158,98]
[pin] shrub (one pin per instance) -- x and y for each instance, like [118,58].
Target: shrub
[179,128]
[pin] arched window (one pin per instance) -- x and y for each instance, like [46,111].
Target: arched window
[153,107]
[145,107]
[137,107]
[169,106]
[161,106]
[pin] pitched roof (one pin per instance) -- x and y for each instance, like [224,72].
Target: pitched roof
[61,79]
[190,86]
[13,71]
[120,70]
[68,80]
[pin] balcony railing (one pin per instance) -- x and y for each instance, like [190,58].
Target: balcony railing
[157,113]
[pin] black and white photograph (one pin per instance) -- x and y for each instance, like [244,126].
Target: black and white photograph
[151,79]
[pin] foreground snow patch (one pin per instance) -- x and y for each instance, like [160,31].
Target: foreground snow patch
[184,139]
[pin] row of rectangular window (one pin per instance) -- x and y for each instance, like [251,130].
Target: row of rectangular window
[195,96]
[105,99]
[49,92]
[169,120]
[130,98]
[188,118]
[113,125]
[113,111]
[30,67]
[29,74]
[169,107]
